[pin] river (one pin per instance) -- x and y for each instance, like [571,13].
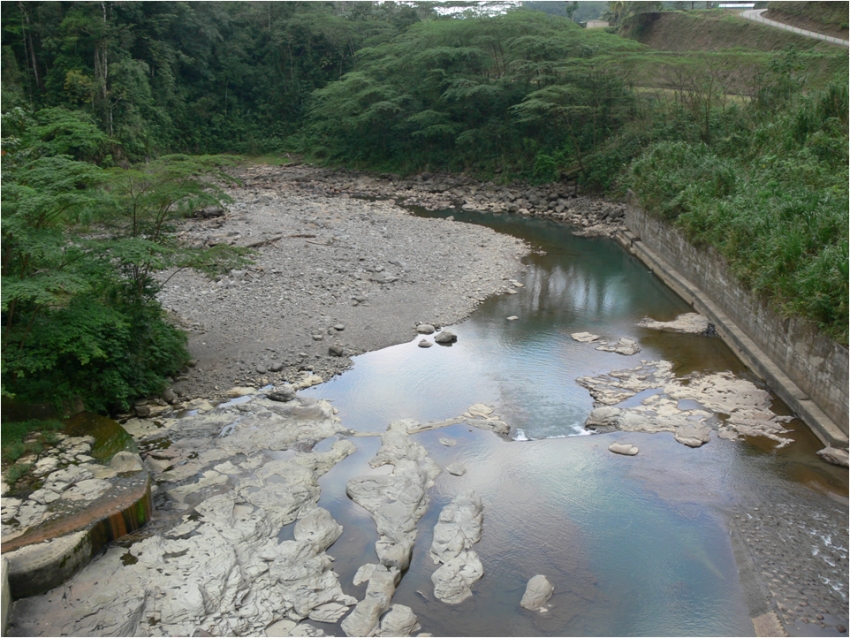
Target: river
[634,545]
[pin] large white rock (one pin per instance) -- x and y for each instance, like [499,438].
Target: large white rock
[457,530]
[396,501]
[399,621]
[537,593]
[690,323]
[363,620]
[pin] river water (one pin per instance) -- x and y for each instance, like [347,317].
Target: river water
[633,545]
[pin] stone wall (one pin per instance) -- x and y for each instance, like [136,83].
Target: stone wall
[817,364]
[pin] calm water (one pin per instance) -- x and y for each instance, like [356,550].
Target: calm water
[634,546]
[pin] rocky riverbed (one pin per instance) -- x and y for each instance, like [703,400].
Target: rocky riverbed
[332,277]
[227,479]
[336,274]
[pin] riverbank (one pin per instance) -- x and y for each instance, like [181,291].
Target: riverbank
[337,274]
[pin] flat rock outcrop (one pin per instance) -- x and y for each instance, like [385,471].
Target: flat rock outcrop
[398,500]
[688,323]
[690,407]
[212,563]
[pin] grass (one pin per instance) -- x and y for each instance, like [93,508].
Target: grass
[713,30]
[21,438]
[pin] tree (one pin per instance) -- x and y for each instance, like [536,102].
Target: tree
[80,249]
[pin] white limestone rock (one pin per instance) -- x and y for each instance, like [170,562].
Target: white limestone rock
[457,530]
[626,449]
[537,593]
[689,323]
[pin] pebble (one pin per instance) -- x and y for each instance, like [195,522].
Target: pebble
[424,343]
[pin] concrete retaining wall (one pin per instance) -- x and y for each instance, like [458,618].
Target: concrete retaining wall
[816,364]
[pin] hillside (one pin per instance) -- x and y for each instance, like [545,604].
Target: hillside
[830,18]
[712,31]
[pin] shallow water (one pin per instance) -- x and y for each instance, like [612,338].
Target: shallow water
[634,546]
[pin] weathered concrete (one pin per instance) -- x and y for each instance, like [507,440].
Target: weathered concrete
[7,597]
[807,370]
[82,505]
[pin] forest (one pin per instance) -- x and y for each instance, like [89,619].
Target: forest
[120,118]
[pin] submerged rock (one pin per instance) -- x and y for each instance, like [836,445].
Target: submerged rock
[584,337]
[456,469]
[626,449]
[537,593]
[624,346]
[689,323]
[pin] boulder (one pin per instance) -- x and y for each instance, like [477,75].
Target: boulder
[457,530]
[363,620]
[425,329]
[693,435]
[626,449]
[537,593]
[399,621]
[446,337]
[318,528]
[282,393]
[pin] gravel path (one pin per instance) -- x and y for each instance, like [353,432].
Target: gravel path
[334,276]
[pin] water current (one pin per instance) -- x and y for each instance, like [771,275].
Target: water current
[634,545]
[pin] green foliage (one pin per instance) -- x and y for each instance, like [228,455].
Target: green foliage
[774,201]
[14,433]
[81,247]
[470,94]
[196,76]
[17,472]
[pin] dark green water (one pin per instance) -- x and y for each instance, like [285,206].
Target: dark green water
[634,546]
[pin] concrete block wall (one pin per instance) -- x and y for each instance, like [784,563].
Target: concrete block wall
[817,364]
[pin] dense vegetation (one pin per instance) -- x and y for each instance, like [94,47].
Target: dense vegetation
[107,107]
[81,246]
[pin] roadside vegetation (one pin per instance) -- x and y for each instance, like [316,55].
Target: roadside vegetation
[110,112]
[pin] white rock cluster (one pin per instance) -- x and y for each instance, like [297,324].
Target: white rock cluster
[458,529]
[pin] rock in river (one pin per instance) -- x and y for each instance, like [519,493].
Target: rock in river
[458,529]
[537,593]
[446,337]
[282,393]
[396,501]
[689,323]
[626,449]
[833,455]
